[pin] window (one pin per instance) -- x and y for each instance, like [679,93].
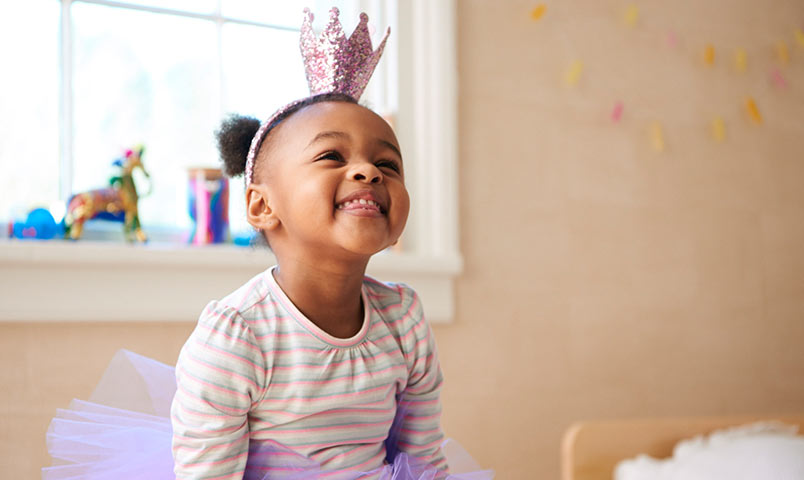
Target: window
[47,147]
[153,72]
[29,103]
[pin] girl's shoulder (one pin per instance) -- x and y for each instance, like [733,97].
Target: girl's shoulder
[254,294]
[388,292]
[395,302]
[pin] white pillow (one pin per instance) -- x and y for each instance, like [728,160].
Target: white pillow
[759,451]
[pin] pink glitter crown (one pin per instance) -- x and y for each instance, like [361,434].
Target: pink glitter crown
[332,63]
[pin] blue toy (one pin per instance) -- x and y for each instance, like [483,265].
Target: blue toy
[39,225]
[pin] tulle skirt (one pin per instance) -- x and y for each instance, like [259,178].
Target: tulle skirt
[123,432]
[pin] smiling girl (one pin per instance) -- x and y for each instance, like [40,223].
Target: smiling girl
[312,359]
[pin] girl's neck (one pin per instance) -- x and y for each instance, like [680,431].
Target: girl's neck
[328,295]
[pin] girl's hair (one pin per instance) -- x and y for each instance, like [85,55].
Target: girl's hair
[237,131]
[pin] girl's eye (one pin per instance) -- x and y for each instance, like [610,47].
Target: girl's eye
[389,164]
[331,156]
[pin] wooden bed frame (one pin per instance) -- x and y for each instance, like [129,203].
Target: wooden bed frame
[591,450]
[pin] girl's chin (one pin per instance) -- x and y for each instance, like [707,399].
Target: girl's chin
[365,248]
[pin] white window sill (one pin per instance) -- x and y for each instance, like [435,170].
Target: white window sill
[109,282]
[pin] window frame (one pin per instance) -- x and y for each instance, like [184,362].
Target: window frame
[50,281]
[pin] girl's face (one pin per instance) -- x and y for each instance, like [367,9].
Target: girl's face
[333,182]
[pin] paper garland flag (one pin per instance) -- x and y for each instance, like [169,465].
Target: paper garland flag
[740,60]
[672,39]
[709,55]
[617,112]
[657,136]
[632,15]
[718,129]
[778,78]
[753,110]
[800,37]
[538,12]
[782,53]
[574,73]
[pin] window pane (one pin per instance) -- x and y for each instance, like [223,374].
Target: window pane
[29,106]
[145,78]
[193,6]
[258,85]
[288,13]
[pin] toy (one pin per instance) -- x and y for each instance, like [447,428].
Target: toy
[38,225]
[117,202]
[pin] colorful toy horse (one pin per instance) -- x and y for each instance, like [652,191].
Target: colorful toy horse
[117,203]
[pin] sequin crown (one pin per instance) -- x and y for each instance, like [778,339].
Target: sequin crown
[334,63]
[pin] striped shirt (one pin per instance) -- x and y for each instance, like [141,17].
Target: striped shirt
[255,368]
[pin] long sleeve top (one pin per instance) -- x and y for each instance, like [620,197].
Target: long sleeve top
[256,369]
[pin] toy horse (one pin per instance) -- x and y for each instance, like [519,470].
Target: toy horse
[117,203]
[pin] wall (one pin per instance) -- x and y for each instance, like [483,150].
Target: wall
[603,278]
[45,365]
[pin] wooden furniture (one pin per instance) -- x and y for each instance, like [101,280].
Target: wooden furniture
[591,450]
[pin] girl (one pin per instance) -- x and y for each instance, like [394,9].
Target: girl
[312,358]
[311,369]
[312,354]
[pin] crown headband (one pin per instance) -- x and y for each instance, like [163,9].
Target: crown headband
[332,64]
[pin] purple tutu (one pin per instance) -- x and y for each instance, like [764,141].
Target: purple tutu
[124,432]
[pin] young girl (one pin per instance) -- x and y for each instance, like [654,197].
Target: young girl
[312,354]
[311,369]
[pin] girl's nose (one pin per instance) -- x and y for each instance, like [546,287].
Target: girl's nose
[366,172]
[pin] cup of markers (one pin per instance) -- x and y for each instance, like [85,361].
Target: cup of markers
[208,195]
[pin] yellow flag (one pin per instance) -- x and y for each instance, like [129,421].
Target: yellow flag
[800,38]
[753,110]
[573,75]
[632,15]
[718,129]
[657,137]
[740,60]
[782,53]
[709,54]
[538,12]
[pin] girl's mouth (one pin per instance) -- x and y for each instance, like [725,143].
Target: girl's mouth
[363,208]
[363,201]
[360,204]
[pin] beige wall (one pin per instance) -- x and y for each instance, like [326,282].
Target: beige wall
[45,365]
[602,279]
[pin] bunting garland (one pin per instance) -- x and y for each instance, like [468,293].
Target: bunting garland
[781,58]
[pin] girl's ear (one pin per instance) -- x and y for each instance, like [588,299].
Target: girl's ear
[258,208]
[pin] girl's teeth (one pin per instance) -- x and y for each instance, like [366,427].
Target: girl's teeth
[361,201]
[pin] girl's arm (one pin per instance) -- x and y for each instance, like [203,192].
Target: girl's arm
[220,374]
[421,435]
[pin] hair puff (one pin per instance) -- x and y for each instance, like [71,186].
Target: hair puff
[234,139]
